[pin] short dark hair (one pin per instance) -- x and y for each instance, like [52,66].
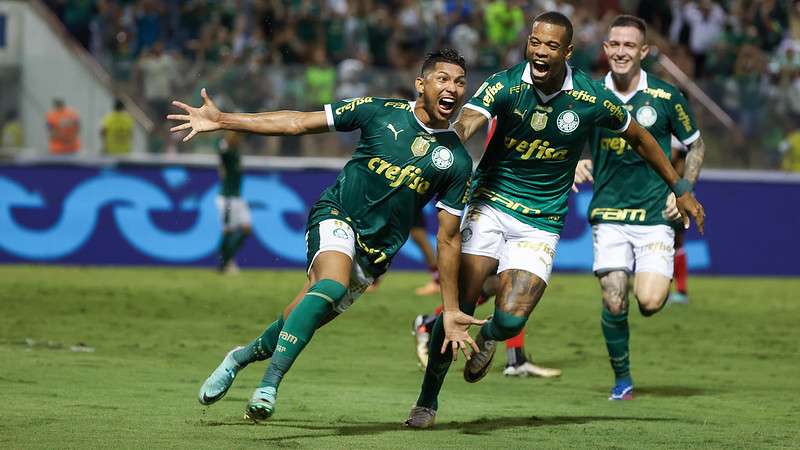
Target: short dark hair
[119,105]
[556,18]
[445,55]
[626,20]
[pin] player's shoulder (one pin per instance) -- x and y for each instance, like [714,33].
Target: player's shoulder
[451,141]
[585,89]
[659,89]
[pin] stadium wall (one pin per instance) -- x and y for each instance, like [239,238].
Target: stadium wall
[151,214]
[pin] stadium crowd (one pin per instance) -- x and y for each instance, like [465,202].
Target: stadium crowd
[269,54]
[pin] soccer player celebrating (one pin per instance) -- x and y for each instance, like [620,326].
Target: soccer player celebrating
[407,155]
[233,210]
[632,209]
[545,113]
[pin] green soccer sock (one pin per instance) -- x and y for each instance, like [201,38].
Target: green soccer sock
[617,335]
[224,250]
[300,326]
[502,326]
[260,348]
[438,363]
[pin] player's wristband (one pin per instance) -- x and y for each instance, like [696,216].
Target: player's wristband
[681,187]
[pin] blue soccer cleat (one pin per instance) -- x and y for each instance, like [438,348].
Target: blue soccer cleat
[220,380]
[622,391]
[262,404]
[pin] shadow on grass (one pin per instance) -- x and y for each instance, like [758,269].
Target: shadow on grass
[673,391]
[473,427]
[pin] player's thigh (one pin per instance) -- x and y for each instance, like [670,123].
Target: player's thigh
[240,214]
[651,289]
[613,249]
[330,249]
[525,265]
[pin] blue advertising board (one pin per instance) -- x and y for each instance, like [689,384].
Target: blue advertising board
[148,215]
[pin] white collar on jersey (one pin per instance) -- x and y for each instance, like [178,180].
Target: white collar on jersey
[567,86]
[626,98]
[427,128]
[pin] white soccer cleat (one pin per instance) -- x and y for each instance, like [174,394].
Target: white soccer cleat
[217,384]
[528,369]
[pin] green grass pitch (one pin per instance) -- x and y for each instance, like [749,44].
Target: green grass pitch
[722,372]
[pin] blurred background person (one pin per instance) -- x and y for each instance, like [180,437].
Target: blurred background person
[63,128]
[117,131]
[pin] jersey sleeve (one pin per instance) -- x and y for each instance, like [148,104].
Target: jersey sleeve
[453,197]
[681,119]
[491,97]
[351,114]
[610,112]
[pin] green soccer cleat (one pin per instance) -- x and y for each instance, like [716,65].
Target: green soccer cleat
[479,363]
[262,404]
[220,380]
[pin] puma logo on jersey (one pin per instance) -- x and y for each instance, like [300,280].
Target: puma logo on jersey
[393,130]
[521,114]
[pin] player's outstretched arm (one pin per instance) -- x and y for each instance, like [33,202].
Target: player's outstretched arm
[647,147]
[448,252]
[278,123]
[468,122]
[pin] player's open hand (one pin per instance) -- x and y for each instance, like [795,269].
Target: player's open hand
[583,173]
[204,118]
[456,325]
[689,206]
[670,211]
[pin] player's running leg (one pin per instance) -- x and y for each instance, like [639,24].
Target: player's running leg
[473,271]
[519,293]
[681,294]
[329,278]
[614,323]
[259,349]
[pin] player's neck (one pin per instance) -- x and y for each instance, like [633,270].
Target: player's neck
[626,84]
[554,84]
[427,119]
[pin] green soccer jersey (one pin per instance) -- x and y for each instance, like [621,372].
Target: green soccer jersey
[397,168]
[230,169]
[626,188]
[529,164]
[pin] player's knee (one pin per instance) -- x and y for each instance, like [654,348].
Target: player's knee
[507,325]
[649,304]
[614,303]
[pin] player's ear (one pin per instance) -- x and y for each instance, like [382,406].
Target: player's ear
[645,50]
[570,48]
[419,83]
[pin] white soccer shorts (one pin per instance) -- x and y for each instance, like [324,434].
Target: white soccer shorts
[486,231]
[233,212]
[633,248]
[336,235]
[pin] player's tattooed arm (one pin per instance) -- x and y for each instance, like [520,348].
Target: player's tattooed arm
[694,160]
[278,123]
[448,255]
[647,147]
[469,121]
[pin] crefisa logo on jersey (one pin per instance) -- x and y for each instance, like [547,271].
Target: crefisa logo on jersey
[646,116]
[568,121]
[442,157]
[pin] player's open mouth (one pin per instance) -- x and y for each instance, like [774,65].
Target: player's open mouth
[540,69]
[447,105]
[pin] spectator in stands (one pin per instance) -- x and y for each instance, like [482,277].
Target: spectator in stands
[320,79]
[63,127]
[705,21]
[117,131]
[11,133]
[156,69]
[504,22]
[790,149]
